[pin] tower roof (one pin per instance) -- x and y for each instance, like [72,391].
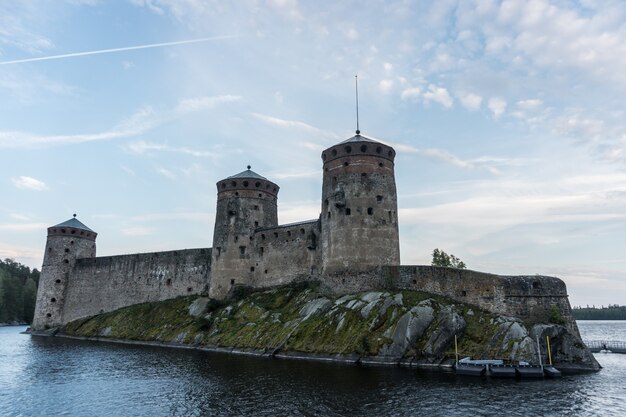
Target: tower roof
[358,138]
[75,223]
[248,173]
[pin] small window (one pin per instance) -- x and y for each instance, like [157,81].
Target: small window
[260,195]
[345,164]
[189,289]
[536,285]
[67,250]
[245,183]
[251,269]
[48,315]
[323,157]
[234,183]
[289,233]
[262,236]
[380,164]
[275,234]
[53,300]
[265,272]
[414,282]
[242,250]
[168,281]
[379,199]
[58,281]
[257,184]
[348,212]
[370,211]
[334,152]
[236,192]
[348,149]
[256,224]
[256,207]
[301,231]
[66,261]
[236,238]
[329,214]
[390,153]
[232,282]
[463,293]
[363,175]
[223,185]
[379,149]
[219,250]
[261,249]
[363,148]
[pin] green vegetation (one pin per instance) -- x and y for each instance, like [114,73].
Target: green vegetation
[298,318]
[612,312]
[18,292]
[440,258]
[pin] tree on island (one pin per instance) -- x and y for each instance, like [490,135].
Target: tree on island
[440,258]
[18,292]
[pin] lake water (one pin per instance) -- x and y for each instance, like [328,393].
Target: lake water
[57,377]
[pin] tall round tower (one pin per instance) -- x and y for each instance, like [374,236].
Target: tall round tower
[66,242]
[245,202]
[359,216]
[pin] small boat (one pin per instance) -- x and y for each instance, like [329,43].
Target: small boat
[502,371]
[528,371]
[470,369]
[551,372]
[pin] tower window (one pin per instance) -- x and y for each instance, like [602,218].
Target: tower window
[262,236]
[234,183]
[236,238]
[53,300]
[236,192]
[390,154]
[58,281]
[66,261]
[232,282]
[289,233]
[348,149]
[256,224]
[168,281]
[323,157]
[189,289]
[329,214]
[363,175]
[260,195]
[48,315]
[256,207]
[380,164]
[275,234]
[242,250]
[301,231]
[363,148]
[219,250]
[334,152]
[379,149]
[251,269]
[257,184]
[370,211]
[379,199]
[345,164]
[348,212]
[261,250]
[66,250]
[265,272]
[245,183]
[223,185]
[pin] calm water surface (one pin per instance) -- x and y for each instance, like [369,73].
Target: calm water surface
[56,377]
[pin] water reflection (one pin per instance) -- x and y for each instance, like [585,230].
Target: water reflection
[51,376]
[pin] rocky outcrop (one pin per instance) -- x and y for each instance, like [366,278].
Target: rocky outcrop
[404,327]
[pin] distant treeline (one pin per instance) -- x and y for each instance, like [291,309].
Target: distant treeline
[612,312]
[18,292]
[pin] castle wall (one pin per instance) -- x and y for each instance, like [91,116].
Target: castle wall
[516,296]
[286,254]
[103,284]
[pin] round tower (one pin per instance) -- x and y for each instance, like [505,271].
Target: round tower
[66,242]
[245,202]
[359,217]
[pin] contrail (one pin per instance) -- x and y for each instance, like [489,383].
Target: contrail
[107,51]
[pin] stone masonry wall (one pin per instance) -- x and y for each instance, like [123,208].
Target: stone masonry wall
[516,296]
[286,253]
[105,284]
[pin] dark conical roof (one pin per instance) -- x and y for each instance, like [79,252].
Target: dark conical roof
[75,223]
[248,173]
[359,138]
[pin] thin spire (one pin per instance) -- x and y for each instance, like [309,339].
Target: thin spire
[356,85]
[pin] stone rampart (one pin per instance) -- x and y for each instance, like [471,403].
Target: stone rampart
[286,253]
[102,284]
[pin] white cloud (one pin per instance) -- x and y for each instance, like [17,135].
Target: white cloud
[29,183]
[470,101]
[142,147]
[385,86]
[293,124]
[166,173]
[288,8]
[388,67]
[352,34]
[439,95]
[497,106]
[411,93]
[23,227]
[201,103]
[530,104]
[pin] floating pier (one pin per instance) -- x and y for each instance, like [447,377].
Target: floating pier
[596,346]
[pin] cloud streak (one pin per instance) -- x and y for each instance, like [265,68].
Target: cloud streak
[114,50]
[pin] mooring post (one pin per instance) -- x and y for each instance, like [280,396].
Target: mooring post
[549,351]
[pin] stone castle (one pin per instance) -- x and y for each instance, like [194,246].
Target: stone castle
[353,246]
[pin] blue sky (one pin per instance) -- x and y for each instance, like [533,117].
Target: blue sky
[508,118]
